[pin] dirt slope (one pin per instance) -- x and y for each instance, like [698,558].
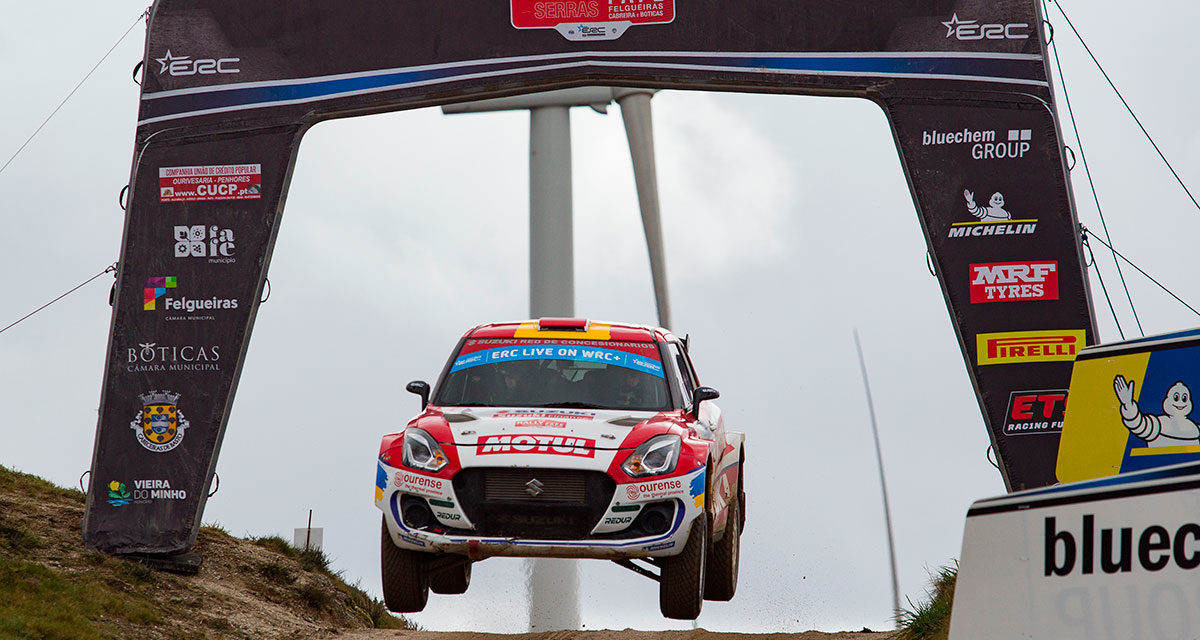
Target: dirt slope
[53,588]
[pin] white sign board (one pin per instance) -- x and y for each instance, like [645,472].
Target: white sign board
[1112,558]
[313,537]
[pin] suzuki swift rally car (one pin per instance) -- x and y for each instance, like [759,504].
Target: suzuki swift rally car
[564,438]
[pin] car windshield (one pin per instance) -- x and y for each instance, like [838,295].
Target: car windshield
[592,374]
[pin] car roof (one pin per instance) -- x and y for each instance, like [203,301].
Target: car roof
[570,328]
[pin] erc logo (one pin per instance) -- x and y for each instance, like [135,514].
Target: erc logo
[174,65]
[1014,347]
[966,30]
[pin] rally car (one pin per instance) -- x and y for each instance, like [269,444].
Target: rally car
[565,438]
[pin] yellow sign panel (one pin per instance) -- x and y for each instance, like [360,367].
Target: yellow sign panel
[1130,412]
[1013,347]
[1094,437]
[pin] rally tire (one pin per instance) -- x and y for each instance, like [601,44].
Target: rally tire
[721,581]
[452,581]
[405,578]
[681,583]
[741,508]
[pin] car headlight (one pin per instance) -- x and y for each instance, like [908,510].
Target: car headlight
[422,452]
[654,457]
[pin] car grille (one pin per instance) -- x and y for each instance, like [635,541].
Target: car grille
[566,504]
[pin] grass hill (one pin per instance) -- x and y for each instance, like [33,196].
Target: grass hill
[52,588]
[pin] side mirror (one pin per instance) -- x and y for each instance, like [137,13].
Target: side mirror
[421,388]
[700,394]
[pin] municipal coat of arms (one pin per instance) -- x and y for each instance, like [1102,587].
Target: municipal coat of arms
[160,424]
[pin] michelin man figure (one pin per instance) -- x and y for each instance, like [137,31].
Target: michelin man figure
[1170,430]
[994,210]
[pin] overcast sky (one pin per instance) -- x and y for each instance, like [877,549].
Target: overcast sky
[788,223]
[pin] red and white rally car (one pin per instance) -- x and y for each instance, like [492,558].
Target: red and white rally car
[564,438]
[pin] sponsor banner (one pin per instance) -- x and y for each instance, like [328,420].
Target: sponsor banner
[1102,559]
[161,293]
[1014,281]
[210,183]
[551,350]
[121,494]
[160,425]
[1015,347]
[590,19]
[190,279]
[152,356]
[1000,228]
[1131,411]
[205,241]
[538,444]
[1035,412]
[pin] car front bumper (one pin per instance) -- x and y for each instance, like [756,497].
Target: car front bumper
[613,536]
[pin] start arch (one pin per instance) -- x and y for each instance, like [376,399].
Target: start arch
[230,87]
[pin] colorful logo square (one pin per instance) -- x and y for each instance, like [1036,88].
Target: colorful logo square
[155,288]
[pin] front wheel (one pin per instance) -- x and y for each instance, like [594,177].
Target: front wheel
[451,581]
[405,578]
[721,581]
[681,583]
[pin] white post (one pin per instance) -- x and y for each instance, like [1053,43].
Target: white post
[553,583]
[635,110]
[551,236]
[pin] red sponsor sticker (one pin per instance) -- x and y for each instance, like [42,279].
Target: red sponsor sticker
[661,488]
[557,424]
[654,489]
[1035,412]
[1014,281]
[534,14]
[532,443]
[416,482]
[213,182]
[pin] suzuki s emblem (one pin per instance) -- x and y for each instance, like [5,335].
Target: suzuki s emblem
[534,487]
